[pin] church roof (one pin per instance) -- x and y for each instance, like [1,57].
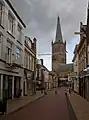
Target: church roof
[58,32]
[65,68]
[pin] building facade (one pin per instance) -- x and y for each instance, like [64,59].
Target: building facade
[75,70]
[44,78]
[63,71]
[39,74]
[58,48]
[82,59]
[29,63]
[11,51]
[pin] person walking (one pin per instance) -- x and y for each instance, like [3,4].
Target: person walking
[70,91]
[55,89]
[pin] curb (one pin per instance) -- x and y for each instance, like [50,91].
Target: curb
[15,110]
[72,115]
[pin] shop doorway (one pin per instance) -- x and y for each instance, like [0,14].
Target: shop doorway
[9,87]
[16,85]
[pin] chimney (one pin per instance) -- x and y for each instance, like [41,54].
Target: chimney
[41,62]
[34,41]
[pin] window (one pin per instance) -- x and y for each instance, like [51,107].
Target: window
[30,62]
[26,61]
[19,32]
[18,52]
[1,37]
[1,44]
[0,13]
[9,51]
[11,23]
[29,44]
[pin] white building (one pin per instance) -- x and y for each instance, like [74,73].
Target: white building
[11,50]
[46,78]
[29,63]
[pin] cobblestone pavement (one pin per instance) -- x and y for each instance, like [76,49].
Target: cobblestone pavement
[80,106]
[49,107]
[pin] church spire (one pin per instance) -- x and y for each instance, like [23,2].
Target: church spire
[58,32]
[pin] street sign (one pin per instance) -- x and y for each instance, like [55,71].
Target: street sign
[73,74]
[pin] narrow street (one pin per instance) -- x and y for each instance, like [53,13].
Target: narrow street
[50,107]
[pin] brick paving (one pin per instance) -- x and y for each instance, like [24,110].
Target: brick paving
[80,106]
[49,107]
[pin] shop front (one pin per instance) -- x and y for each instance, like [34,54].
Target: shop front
[28,82]
[84,85]
[17,85]
[7,86]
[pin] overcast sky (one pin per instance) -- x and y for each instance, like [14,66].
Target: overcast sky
[40,17]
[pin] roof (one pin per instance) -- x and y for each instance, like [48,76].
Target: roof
[75,52]
[58,32]
[75,49]
[65,68]
[9,3]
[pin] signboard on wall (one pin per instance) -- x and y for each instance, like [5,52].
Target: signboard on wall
[73,74]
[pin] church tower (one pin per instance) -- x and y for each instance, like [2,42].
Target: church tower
[58,48]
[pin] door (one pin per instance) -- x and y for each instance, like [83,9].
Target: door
[5,87]
[10,87]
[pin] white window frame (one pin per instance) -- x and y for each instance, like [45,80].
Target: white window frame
[19,32]
[26,61]
[1,37]
[18,53]
[11,20]
[9,51]
[1,13]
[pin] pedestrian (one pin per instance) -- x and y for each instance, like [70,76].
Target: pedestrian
[69,91]
[55,90]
